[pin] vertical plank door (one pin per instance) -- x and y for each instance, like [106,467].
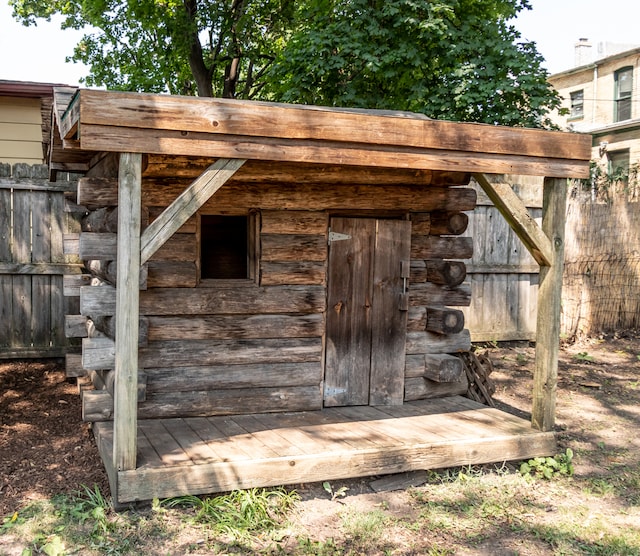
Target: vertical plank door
[389,316]
[366,317]
[349,296]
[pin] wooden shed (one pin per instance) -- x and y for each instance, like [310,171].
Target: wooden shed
[272,291]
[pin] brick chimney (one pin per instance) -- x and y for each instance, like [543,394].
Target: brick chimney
[583,52]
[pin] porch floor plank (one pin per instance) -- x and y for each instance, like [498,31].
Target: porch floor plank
[216,454]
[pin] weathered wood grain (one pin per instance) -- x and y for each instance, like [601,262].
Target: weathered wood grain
[255,375]
[210,301]
[294,222]
[168,166]
[97,405]
[434,294]
[444,320]
[423,388]
[293,247]
[180,247]
[448,223]
[73,365]
[516,214]
[107,271]
[235,326]
[428,342]
[236,198]
[349,320]
[439,367]
[436,247]
[478,441]
[417,318]
[127,314]
[231,402]
[75,326]
[185,206]
[446,273]
[72,283]
[545,374]
[245,118]
[98,353]
[103,137]
[292,273]
[388,314]
[107,326]
[171,274]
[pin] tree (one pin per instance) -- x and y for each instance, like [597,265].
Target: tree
[449,59]
[207,47]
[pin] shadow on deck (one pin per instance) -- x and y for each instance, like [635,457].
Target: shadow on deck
[216,454]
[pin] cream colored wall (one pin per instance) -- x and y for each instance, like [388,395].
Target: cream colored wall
[20,130]
[598,84]
[599,99]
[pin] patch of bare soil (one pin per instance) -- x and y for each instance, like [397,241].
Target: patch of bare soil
[46,449]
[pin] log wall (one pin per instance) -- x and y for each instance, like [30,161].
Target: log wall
[257,345]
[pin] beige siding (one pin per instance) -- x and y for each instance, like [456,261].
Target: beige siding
[20,131]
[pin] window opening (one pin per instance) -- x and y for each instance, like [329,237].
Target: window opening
[623,90]
[577,104]
[224,247]
[618,166]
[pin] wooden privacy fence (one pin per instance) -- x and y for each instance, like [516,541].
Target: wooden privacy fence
[502,273]
[33,222]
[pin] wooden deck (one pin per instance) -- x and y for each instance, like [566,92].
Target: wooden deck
[216,454]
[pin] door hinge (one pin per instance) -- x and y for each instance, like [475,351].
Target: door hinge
[336,236]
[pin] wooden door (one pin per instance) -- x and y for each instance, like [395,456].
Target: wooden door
[366,311]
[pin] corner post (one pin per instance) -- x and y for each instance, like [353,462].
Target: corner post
[545,375]
[127,310]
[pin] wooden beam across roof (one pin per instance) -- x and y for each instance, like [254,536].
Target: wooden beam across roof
[173,125]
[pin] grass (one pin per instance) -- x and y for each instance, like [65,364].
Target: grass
[479,509]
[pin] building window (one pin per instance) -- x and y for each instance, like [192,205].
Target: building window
[618,165]
[577,105]
[224,247]
[622,94]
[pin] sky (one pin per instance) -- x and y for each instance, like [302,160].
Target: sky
[38,53]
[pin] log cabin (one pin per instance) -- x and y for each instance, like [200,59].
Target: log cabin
[272,291]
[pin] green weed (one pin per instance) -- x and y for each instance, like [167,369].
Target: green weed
[240,514]
[342,491]
[584,357]
[549,467]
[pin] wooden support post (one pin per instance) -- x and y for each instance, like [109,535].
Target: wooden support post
[127,313]
[549,301]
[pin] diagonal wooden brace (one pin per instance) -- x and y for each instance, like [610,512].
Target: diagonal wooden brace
[516,214]
[186,205]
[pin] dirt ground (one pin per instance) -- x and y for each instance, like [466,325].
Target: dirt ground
[45,448]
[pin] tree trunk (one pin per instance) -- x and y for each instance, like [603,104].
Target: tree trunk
[201,73]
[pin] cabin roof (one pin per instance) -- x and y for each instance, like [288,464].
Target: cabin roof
[90,121]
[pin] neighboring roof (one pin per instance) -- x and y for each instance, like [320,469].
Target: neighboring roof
[104,121]
[596,63]
[26,89]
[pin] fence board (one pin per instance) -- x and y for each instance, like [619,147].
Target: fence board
[32,306]
[502,273]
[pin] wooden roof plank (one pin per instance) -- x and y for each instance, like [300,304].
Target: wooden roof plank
[257,119]
[125,139]
[70,114]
